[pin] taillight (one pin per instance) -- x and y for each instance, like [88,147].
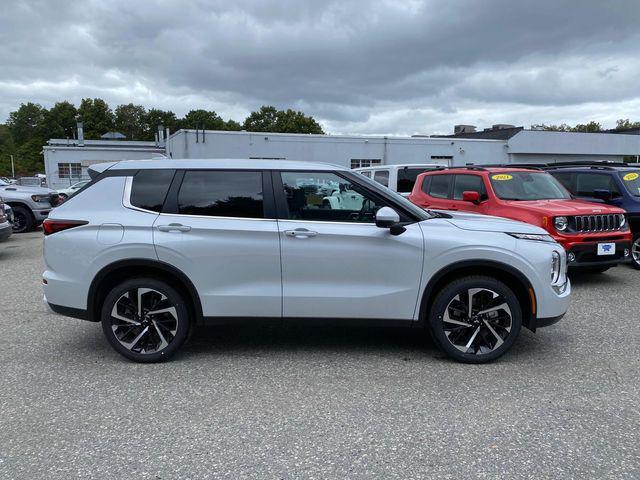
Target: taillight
[53,226]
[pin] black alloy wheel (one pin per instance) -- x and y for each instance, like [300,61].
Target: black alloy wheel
[145,320]
[475,319]
[22,220]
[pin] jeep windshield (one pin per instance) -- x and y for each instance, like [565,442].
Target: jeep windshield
[522,186]
[631,182]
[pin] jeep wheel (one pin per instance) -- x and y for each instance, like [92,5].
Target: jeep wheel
[145,320]
[475,319]
[635,252]
[22,220]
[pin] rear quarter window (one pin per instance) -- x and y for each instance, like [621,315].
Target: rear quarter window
[149,189]
[439,186]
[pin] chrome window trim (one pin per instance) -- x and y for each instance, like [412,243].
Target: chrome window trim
[188,215]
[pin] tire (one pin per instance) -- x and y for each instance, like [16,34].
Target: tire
[486,337]
[126,333]
[23,220]
[635,252]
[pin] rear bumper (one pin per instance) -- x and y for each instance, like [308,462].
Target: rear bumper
[67,311]
[5,231]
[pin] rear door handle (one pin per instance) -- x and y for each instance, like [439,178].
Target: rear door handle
[174,227]
[300,233]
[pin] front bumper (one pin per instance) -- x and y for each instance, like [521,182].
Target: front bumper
[5,230]
[586,255]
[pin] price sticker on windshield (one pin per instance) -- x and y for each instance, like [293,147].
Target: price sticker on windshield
[630,177]
[502,177]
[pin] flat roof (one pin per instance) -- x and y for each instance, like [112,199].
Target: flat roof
[223,163]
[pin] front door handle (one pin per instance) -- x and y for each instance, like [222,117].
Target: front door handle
[300,233]
[174,227]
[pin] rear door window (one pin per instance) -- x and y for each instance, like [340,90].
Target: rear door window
[221,193]
[149,189]
[407,178]
[439,186]
[382,177]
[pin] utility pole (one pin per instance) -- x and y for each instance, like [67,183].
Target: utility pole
[13,169]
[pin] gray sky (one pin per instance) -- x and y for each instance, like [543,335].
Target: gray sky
[357,66]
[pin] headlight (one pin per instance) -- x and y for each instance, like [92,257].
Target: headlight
[555,267]
[538,237]
[561,223]
[623,219]
[40,198]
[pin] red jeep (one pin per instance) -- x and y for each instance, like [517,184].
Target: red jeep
[595,236]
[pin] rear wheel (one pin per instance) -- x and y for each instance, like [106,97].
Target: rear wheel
[23,221]
[635,252]
[475,319]
[145,320]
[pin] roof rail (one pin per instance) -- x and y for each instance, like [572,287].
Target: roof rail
[528,166]
[467,167]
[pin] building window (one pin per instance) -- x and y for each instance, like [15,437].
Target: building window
[365,162]
[442,159]
[69,170]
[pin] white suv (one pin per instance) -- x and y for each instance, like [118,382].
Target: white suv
[154,248]
[399,178]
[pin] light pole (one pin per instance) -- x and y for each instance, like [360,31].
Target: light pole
[13,169]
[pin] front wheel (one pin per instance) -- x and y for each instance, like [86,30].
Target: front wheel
[145,320]
[635,252]
[475,319]
[23,221]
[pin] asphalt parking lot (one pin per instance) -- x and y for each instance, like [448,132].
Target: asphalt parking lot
[297,403]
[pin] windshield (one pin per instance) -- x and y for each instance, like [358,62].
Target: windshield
[631,181]
[3,183]
[527,186]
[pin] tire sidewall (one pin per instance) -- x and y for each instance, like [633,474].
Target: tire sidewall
[444,297]
[635,264]
[184,323]
[29,222]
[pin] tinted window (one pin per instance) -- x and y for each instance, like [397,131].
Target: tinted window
[150,188]
[587,183]
[219,193]
[407,178]
[468,183]
[366,173]
[566,179]
[439,187]
[325,196]
[382,177]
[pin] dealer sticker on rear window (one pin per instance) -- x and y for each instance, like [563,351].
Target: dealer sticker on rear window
[630,177]
[502,176]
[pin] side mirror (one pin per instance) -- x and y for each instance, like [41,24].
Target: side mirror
[471,196]
[602,195]
[387,217]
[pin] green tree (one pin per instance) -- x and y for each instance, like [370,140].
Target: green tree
[209,120]
[624,123]
[130,120]
[269,119]
[156,117]
[232,125]
[591,127]
[96,116]
[60,121]
[26,122]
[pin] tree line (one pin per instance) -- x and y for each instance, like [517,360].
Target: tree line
[591,127]
[28,128]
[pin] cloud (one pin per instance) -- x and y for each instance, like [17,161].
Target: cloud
[359,67]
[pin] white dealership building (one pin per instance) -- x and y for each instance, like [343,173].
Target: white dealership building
[67,160]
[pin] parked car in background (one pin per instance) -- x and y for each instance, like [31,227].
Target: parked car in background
[399,178]
[67,192]
[5,224]
[617,185]
[595,236]
[8,212]
[38,181]
[159,247]
[31,205]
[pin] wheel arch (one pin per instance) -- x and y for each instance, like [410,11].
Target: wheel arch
[509,275]
[112,274]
